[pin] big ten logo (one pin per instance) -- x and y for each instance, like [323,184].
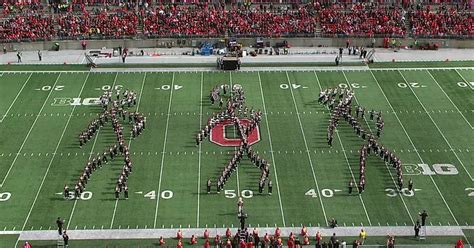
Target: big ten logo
[218,134]
[75,101]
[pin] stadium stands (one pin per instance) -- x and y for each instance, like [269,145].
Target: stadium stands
[88,19]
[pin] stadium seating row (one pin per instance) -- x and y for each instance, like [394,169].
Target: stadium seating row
[33,22]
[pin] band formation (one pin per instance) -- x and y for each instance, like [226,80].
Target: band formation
[113,111]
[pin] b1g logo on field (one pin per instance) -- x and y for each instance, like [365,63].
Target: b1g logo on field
[217,135]
[75,101]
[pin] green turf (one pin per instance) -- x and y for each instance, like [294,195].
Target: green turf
[43,67]
[8,240]
[168,163]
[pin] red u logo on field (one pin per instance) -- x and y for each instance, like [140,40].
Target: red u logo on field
[217,135]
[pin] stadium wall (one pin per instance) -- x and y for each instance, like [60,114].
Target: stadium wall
[165,42]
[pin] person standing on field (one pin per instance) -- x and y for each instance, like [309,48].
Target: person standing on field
[417,229]
[60,224]
[423,215]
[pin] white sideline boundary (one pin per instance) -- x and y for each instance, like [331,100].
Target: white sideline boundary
[246,69]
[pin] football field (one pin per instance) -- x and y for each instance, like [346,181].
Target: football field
[428,114]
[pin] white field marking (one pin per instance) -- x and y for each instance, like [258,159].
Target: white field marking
[271,151]
[388,169]
[163,154]
[16,97]
[410,112]
[255,69]
[235,148]
[439,130]
[449,98]
[347,160]
[90,155]
[307,150]
[464,79]
[29,132]
[199,156]
[129,142]
[50,161]
[414,147]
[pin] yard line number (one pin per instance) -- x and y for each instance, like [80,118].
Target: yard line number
[411,84]
[168,87]
[108,87]
[352,85]
[471,191]
[464,84]
[165,194]
[230,193]
[324,192]
[5,196]
[391,192]
[49,87]
[294,86]
[86,195]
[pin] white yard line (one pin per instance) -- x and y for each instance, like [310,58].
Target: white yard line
[16,97]
[29,132]
[471,85]
[436,125]
[414,148]
[90,155]
[199,156]
[307,149]
[449,98]
[52,159]
[345,156]
[129,143]
[235,148]
[388,169]
[271,151]
[158,195]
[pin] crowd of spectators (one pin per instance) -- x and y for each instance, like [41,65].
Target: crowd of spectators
[363,21]
[85,19]
[441,23]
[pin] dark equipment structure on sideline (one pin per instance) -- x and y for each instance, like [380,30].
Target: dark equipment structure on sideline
[230,63]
